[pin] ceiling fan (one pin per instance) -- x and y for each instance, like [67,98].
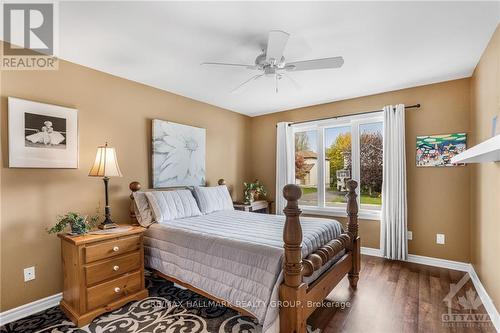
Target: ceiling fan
[271,63]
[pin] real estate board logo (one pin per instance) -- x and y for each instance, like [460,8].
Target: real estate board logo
[28,30]
[464,310]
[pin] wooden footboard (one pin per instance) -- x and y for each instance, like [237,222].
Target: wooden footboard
[298,300]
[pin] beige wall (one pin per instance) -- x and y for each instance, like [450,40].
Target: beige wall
[485,177]
[438,198]
[110,109]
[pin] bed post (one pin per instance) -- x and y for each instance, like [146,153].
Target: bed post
[352,230]
[134,187]
[293,290]
[292,236]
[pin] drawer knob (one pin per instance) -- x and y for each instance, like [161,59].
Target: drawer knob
[115,249]
[117,290]
[116,268]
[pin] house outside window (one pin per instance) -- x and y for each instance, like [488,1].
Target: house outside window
[350,148]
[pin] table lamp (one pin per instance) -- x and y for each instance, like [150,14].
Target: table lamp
[106,165]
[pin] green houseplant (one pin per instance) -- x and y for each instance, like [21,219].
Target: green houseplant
[80,224]
[254,191]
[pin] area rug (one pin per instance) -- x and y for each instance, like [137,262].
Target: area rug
[167,309]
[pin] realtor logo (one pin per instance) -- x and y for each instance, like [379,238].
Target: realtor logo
[28,30]
[467,314]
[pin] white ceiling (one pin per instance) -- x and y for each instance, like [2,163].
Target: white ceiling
[386,46]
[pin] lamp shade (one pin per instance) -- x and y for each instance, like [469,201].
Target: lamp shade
[106,164]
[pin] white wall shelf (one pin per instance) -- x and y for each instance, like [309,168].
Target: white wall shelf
[486,151]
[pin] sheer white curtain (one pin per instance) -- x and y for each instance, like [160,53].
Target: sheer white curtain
[285,162]
[394,206]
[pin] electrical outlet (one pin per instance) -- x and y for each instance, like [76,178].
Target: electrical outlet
[29,273]
[440,238]
[409,235]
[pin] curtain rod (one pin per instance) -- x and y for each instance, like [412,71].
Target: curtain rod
[415,106]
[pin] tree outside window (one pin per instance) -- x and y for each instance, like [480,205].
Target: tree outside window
[338,147]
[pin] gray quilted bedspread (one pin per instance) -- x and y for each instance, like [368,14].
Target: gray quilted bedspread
[233,255]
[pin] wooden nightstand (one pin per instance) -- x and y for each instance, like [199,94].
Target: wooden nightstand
[101,273]
[260,206]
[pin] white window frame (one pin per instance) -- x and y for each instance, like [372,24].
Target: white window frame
[320,125]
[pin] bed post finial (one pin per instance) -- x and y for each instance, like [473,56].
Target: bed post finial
[134,187]
[221,181]
[292,236]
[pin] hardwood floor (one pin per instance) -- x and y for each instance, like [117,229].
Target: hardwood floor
[396,296]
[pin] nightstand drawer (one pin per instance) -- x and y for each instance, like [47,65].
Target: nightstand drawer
[112,248]
[105,293]
[113,267]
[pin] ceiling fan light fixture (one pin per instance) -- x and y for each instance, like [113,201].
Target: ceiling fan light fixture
[271,61]
[269,71]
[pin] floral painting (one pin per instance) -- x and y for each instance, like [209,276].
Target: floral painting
[437,150]
[178,154]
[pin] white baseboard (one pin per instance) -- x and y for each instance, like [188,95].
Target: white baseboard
[436,262]
[429,261]
[369,251]
[455,265]
[485,298]
[29,309]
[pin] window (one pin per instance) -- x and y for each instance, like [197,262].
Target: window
[370,164]
[350,148]
[306,170]
[338,165]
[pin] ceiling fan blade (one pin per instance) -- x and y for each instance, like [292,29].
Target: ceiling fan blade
[228,64]
[276,43]
[291,79]
[307,65]
[255,77]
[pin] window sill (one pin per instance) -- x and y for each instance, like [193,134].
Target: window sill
[362,214]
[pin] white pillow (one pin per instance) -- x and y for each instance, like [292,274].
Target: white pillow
[143,212]
[172,205]
[213,199]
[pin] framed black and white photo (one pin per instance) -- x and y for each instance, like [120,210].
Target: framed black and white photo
[42,135]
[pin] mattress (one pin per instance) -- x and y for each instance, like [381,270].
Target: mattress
[235,256]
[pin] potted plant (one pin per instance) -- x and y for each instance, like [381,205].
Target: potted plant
[80,224]
[254,191]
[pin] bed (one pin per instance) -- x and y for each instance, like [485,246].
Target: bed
[274,268]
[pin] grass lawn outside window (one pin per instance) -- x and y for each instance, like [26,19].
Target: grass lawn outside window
[333,196]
